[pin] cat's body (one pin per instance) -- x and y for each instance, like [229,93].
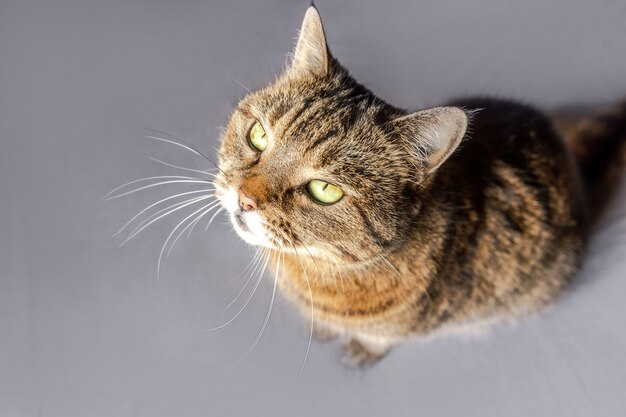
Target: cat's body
[470,212]
[497,231]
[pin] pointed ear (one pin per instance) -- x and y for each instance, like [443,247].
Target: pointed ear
[311,55]
[433,134]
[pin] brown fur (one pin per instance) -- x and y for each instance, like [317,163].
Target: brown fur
[598,143]
[453,215]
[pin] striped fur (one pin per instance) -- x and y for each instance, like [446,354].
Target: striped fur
[464,213]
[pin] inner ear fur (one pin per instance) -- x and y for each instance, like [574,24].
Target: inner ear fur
[311,55]
[433,134]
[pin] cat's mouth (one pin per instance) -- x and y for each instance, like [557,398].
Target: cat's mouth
[240,222]
[248,225]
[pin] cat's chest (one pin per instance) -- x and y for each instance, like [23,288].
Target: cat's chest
[346,299]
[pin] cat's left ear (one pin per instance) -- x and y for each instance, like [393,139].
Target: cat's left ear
[311,56]
[433,134]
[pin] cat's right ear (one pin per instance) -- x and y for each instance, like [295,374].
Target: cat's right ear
[311,56]
[432,135]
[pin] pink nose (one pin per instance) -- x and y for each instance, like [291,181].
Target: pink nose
[246,203]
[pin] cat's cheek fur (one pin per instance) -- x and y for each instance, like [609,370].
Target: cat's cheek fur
[229,199]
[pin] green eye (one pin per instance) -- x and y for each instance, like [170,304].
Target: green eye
[257,137]
[324,192]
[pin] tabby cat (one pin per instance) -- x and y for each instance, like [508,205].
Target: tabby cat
[386,224]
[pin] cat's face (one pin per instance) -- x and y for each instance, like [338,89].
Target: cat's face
[306,163]
[315,163]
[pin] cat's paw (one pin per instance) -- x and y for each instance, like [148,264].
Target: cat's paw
[324,334]
[359,355]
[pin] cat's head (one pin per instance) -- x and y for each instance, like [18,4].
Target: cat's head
[316,162]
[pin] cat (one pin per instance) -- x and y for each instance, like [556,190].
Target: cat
[386,225]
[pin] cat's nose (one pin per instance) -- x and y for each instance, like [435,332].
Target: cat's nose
[246,203]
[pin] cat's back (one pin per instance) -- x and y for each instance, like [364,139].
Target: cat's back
[512,205]
[507,131]
[514,158]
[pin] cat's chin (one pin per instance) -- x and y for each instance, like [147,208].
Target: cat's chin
[252,239]
[249,227]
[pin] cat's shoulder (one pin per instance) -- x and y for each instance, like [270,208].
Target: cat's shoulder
[506,125]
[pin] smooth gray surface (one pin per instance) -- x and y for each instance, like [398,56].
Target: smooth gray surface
[86,329]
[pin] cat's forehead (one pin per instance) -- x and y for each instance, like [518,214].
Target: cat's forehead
[276,100]
[308,110]
[332,128]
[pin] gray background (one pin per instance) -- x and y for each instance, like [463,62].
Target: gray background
[87,329]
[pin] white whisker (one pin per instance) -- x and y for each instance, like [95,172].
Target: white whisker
[241,84]
[212,218]
[308,284]
[192,181]
[190,149]
[256,286]
[178,206]
[172,233]
[182,168]
[190,226]
[175,205]
[155,204]
[197,219]
[393,268]
[269,310]
[257,264]
[182,144]
[255,258]
[310,256]
[160,177]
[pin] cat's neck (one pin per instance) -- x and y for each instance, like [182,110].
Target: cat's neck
[321,271]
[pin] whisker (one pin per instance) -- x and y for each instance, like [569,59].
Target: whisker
[269,311]
[256,286]
[245,285]
[241,84]
[180,203]
[182,144]
[195,222]
[179,206]
[172,233]
[256,257]
[106,197]
[173,143]
[333,278]
[191,181]
[308,284]
[393,268]
[154,204]
[212,218]
[310,256]
[190,226]
[177,143]
[341,278]
[182,168]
